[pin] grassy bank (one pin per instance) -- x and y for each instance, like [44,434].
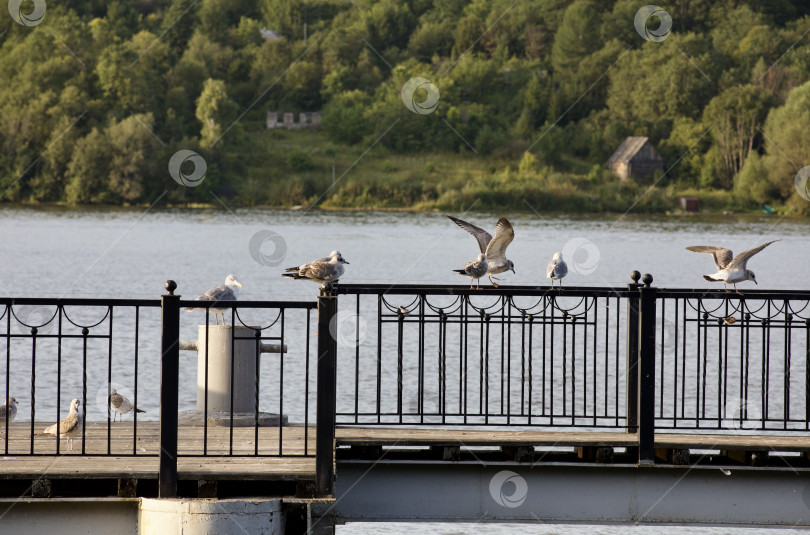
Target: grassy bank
[305,168]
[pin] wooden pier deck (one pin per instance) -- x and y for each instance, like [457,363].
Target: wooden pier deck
[289,455]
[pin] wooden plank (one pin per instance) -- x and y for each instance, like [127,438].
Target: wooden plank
[452,437]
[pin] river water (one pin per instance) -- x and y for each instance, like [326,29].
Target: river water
[130,253]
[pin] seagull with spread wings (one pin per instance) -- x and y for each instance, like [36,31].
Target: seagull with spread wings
[731,269]
[224,292]
[493,247]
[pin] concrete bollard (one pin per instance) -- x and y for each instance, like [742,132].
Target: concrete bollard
[219,376]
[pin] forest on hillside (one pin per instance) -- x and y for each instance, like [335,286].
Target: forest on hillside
[533,97]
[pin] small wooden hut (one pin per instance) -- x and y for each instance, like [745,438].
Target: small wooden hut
[636,157]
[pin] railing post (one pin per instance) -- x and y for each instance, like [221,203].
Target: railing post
[633,303]
[327,385]
[169,369]
[646,375]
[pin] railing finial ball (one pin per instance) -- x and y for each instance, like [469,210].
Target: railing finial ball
[647,279]
[171,286]
[635,275]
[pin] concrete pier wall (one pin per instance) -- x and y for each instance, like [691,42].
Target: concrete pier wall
[140,516]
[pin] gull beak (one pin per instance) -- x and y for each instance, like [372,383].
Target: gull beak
[755,282]
[513,271]
[238,283]
[345,262]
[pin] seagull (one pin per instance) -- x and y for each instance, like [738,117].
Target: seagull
[120,405]
[69,426]
[493,248]
[10,408]
[557,269]
[731,269]
[475,270]
[226,292]
[323,270]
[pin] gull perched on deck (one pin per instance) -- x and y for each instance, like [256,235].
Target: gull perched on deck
[731,269]
[121,405]
[10,408]
[493,247]
[224,292]
[68,426]
[557,269]
[475,270]
[323,270]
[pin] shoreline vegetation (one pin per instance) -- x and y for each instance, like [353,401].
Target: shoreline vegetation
[530,101]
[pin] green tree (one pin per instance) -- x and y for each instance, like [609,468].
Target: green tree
[215,110]
[132,159]
[787,140]
[736,116]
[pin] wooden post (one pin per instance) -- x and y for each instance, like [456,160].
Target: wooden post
[169,372]
[646,373]
[327,386]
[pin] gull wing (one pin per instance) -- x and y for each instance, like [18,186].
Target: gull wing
[742,259]
[481,236]
[722,256]
[504,234]
[220,293]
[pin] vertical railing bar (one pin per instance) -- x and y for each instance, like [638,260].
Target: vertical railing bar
[481,368]
[766,410]
[257,372]
[807,374]
[205,393]
[543,372]
[705,364]
[501,376]
[573,367]
[786,365]
[8,364]
[675,364]
[661,367]
[283,313]
[523,364]
[357,374]
[135,372]
[462,365]
[306,383]
[58,372]
[420,380]
[83,408]
[109,380]
[379,353]
[400,357]
[233,373]
[745,338]
[595,304]
[443,364]
[508,311]
[531,368]
[486,371]
[33,390]
[551,361]
[720,372]
[616,363]
[762,386]
[683,358]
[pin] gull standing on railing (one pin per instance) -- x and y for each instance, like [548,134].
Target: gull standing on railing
[9,407]
[69,426]
[121,405]
[493,247]
[557,269]
[732,269]
[475,270]
[225,292]
[323,270]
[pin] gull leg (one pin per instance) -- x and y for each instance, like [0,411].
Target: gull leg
[495,284]
[736,290]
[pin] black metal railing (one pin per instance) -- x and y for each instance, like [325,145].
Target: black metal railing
[638,359]
[492,357]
